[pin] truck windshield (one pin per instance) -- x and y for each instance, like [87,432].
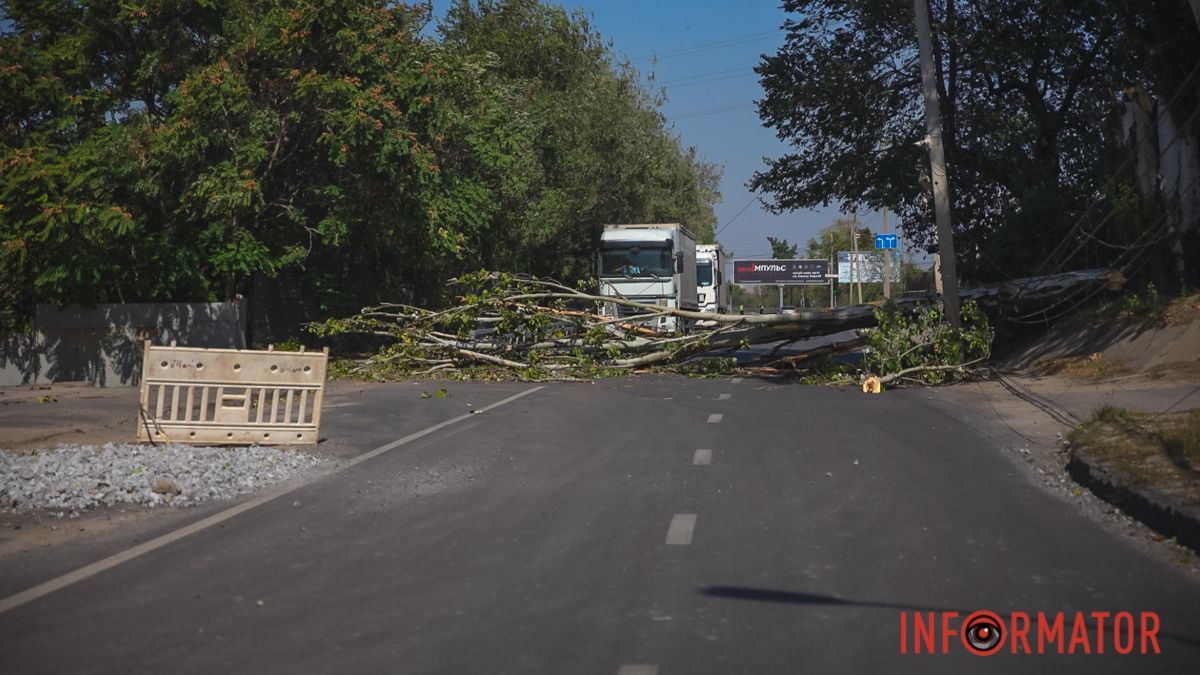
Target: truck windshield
[704,273]
[636,261]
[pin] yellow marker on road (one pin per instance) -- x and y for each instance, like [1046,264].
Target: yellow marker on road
[872,385]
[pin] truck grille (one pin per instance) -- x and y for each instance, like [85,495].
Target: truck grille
[624,311]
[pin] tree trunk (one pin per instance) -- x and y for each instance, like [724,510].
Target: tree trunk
[1167,172]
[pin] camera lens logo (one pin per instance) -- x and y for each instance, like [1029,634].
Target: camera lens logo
[982,633]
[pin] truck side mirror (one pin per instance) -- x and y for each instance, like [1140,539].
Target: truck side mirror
[679,263]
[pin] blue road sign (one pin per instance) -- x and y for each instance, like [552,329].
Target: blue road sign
[884,241]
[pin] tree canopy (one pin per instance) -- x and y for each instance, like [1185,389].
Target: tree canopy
[835,238]
[782,250]
[1031,100]
[175,150]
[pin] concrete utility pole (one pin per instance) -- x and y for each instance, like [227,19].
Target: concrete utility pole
[850,259]
[854,257]
[944,263]
[832,287]
[887,254]
[832,283]
[887,262]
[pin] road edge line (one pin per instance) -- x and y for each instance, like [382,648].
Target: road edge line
[58,583]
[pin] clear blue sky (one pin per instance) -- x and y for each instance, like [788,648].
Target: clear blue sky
[729,37]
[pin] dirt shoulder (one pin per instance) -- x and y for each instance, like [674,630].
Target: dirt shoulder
[1041,406]
[1033,433]
[43,416]
[40,417]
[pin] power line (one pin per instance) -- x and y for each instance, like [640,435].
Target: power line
[705,76]
[735,217]
[706,81]
[706,46]
[1085,234]
[1137,250]
[1123,165]
[1138,247]
[711,111]
[1176,403]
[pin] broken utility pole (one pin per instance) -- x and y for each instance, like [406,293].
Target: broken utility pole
[937,167]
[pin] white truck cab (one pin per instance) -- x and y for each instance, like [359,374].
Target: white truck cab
[653,264]
[711,294]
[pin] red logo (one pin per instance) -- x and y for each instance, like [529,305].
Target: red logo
[985,633]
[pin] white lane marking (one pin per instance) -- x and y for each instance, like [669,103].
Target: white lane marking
[680,531]
[703,457]
[638,669]
[736,380]
[346,404]
[715,418]
[45,588]
[723,397]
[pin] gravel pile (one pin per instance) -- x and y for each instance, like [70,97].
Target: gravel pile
[75,478]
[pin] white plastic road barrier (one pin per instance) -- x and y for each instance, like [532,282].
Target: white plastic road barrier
[231,396]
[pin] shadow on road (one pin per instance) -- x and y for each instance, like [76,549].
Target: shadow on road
[794,598]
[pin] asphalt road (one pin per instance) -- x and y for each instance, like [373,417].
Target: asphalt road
[572,531]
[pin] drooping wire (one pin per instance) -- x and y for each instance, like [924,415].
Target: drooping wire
[736,216]
[706,46]
[1054,253]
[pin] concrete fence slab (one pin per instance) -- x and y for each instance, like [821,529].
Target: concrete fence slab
[102,345]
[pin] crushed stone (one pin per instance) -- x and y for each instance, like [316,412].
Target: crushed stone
[74,478]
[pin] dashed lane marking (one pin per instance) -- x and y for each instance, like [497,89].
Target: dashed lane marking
[703,457]
[723,397]
[680,531]
[736,380]
[638,669]
[715,418]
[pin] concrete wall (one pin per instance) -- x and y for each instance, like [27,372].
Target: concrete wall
[102,345]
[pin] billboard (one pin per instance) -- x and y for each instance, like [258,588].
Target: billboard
[867,267]
[780,272]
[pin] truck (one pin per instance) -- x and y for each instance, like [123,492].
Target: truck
[711,293]
[653,264]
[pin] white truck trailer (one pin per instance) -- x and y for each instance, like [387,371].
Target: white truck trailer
[711,293]
[653,264]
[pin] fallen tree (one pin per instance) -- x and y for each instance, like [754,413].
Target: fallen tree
[540,328]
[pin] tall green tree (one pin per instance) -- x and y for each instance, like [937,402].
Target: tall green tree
[1028,96]
[835,238]
[81,84]
[604,152]
[179,149]
[782,250]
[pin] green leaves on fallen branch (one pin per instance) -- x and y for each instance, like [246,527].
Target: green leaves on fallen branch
[919,346]
[519,326]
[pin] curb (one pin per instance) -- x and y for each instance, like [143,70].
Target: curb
[1162,518]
